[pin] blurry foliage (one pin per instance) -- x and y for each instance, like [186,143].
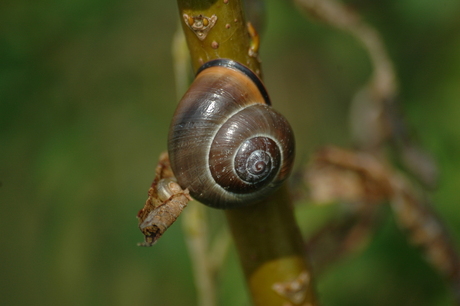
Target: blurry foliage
[86,95]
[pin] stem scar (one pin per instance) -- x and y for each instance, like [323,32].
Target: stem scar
[295,290]
[200,25]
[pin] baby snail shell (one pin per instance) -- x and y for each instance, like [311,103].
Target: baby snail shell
[166,188]
[226,144]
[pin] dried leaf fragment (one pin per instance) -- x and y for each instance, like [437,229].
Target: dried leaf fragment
[164,204]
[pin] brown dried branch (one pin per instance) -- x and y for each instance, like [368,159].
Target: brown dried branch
[426,230]
[363,179]
[342,236]
[374,182]
[375,116]
[342,17]
[164,204]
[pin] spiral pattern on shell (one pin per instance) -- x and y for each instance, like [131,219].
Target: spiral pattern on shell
[226,144]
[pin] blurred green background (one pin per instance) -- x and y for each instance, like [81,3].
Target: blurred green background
[86,96]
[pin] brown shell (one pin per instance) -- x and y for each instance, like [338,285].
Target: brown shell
[226,145]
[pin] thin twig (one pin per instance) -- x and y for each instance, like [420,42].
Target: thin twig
[219,249]
[195,227]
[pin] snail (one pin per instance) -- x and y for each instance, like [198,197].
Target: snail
[226,143]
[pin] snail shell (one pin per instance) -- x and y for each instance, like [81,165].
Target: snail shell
[226,144]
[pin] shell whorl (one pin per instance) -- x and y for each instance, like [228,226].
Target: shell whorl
[226,144]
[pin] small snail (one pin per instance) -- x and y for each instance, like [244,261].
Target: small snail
[226,144]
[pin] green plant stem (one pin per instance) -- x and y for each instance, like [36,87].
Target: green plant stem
[270,248]
[266,234]
[229,32]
